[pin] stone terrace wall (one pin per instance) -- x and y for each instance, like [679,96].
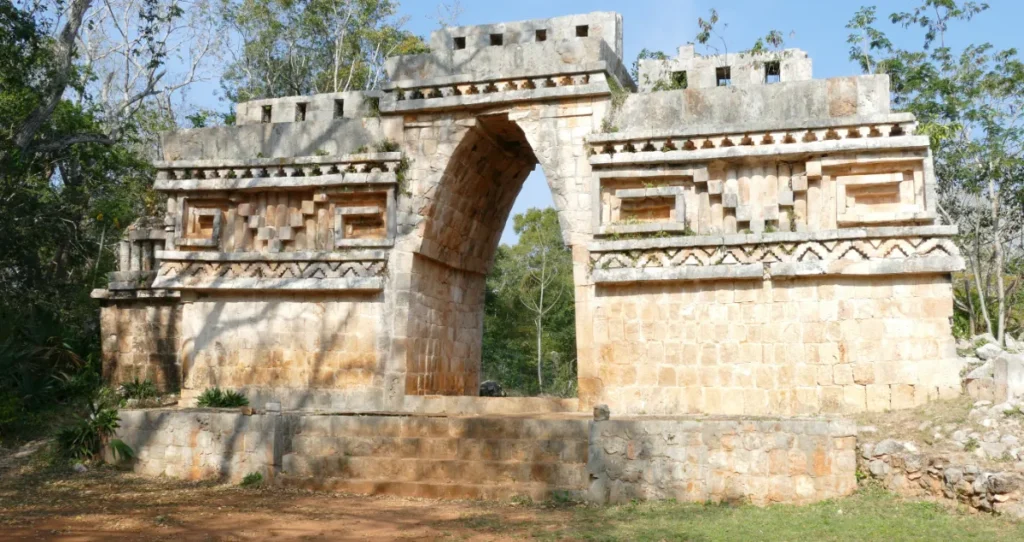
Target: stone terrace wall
[437,457]
[202,444]
[757,461]
[494,457]
[783,347]
[140,341]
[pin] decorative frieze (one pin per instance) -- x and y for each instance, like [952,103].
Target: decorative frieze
[306,271]
[878,251]
[264,173]
[465,87]
[724,137]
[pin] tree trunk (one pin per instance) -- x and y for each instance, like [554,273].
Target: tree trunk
[975,261]
[970,308]
[997,245]
[64,54]
[540,366]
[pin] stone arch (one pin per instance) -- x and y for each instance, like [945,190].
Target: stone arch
[460,222]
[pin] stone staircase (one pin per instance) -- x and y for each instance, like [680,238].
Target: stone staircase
[437,457]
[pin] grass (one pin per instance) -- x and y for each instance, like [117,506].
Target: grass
[870,514]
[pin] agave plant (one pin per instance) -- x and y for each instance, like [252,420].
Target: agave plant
[86,438]
[218,398]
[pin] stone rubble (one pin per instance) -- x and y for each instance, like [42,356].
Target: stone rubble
[979,461]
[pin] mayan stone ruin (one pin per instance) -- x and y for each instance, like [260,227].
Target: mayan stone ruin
[756,254]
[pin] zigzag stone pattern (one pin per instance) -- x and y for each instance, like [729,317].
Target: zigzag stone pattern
[186,271]
[791,252]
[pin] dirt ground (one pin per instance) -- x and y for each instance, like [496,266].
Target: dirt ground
[105,504]
[41,502]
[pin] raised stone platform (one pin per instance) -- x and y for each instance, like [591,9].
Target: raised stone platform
[496,457]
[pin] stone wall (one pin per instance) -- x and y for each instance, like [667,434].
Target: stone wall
[722,460]
[294,344]
[140,341]
[784,347]
[436,457]
[901,468]
[744,69]
[496,457]
[202,444]
[444,332]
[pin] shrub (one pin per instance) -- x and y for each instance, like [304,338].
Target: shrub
[218,398]
[136,389]
[85,438]
[252,480]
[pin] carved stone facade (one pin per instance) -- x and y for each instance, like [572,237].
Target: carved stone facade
[754,247]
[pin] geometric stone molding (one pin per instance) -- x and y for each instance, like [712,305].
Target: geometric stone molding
[197,226]
[607,148]
[264,173]
[302,272]
[871,251]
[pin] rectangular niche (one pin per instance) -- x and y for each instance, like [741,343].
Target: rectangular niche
[871,192]
[360,218]
[644,201]
[198,226]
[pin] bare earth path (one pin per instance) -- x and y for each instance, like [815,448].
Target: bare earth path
[43,503]
[108,505]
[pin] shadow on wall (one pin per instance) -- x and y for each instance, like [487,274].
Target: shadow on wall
[294,343]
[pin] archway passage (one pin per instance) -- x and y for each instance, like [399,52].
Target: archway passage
[461,231]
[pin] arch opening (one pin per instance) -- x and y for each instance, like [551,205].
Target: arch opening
[461,232]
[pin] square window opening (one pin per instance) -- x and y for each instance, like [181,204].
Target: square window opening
[265,117]
[542,34]
[582,31]
[459,42]
[497,39]
[300,111]
[723,76]
[679,80]
[772,72]
[339,108]
[374,105]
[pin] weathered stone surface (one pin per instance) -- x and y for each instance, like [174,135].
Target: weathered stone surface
[720,460]
[330,251]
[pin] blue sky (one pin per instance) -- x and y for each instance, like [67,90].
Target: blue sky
[818,27]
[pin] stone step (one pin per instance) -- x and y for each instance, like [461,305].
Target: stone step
[438,427]
[429,490]
[568,451]
[486,473]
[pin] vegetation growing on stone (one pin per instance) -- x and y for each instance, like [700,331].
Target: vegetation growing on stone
[218,398]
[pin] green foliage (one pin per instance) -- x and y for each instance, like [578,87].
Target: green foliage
[253,480]
[66,196]
[971,445]
[203,118]
[387,145]
[218,398]
[84,439]
[136,389]
[300,48]
[540,258]
[968,101]
[645,54]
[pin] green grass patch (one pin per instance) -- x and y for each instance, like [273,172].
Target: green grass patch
[870,514]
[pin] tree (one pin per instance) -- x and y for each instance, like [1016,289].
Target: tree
[297,47]
[138,57]
[529,308]
[67,188]
[971,104]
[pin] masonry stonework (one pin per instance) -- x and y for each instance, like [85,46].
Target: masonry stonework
[762,244]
